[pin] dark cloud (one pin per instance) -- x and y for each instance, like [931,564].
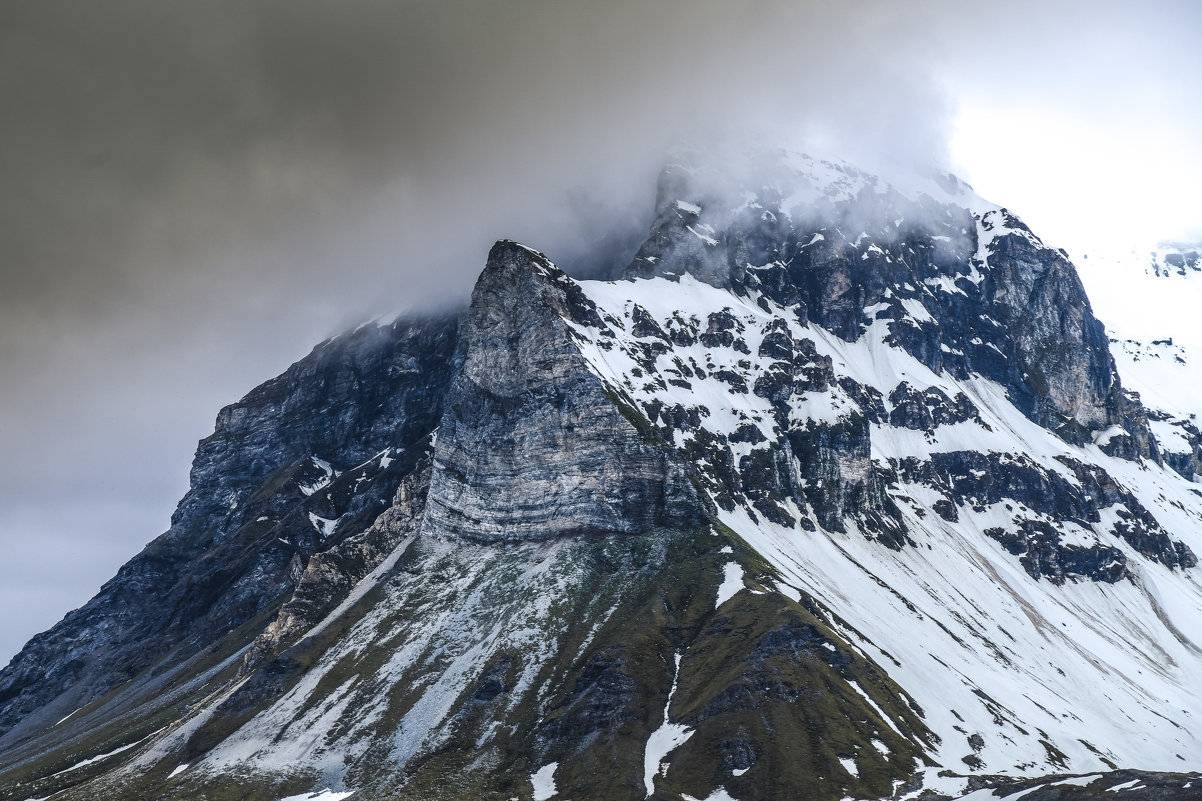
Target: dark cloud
[194,193]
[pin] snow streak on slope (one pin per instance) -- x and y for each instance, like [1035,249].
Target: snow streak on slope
[667,737]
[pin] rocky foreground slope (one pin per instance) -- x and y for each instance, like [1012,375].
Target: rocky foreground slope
[836,493]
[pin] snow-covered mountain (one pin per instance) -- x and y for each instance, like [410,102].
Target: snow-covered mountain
[836,493]
[1149,301]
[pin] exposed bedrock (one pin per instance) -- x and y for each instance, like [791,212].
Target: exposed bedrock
[530,445]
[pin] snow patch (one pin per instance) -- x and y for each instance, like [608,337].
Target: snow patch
[105,755]
[717,795]
[325,526]
[321,795]
[544,782]
[731,583]
[1103,438]
[319,483]
[663,740]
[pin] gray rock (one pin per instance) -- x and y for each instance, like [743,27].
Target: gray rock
[530,445]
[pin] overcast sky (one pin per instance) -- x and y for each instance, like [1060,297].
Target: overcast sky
[192,194]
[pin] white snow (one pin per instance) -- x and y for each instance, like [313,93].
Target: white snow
[1102,438]
[321,795]
[731,583]
[875,708]
[106,755]
[177,770]
[663,740]
[544,782]
[325,526]
[945,283]
[328,474]
[916,310]
[717,795]
[849,765]
[1150,313]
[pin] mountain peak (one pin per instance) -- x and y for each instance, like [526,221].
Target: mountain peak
[836,492]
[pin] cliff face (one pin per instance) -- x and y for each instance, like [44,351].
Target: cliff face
[529,445]
[835,493]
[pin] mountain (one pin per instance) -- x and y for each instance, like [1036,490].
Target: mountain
[837,492]
[1149,300]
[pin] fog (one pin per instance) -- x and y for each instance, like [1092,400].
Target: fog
[193,194]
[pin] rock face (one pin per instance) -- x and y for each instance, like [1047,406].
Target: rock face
[529,446]
[331,575]
[836,493]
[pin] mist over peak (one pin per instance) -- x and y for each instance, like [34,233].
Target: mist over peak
[195,192]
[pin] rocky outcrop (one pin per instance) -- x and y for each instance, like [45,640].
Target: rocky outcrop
[1061,354]
[331,575]
[379,386]
[530,446]
[1130,785]
[1186,455]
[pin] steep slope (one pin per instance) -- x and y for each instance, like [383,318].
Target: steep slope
[907,422]
[837,494]
[1149,301]
[300,464]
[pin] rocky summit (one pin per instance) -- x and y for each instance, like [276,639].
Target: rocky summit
[836,492]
